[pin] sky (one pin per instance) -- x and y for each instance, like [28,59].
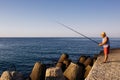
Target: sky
[37,18]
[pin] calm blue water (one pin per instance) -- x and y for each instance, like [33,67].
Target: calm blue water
[24,52]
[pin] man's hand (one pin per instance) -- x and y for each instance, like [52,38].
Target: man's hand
[100,44]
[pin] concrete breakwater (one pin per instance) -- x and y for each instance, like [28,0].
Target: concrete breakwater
[106,71]
[65,69]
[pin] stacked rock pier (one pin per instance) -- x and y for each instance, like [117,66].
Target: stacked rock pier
[86,68]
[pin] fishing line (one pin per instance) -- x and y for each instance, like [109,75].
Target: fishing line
[77,32]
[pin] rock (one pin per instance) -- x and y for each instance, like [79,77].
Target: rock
[88,68]
[61,65]
[95,58]
[73,72]
[60,61]
[6,76]
[88,61]
[82,59]
[17,75]
[38,72]
[54,73]
[12,75]
[67,62]
[63,57]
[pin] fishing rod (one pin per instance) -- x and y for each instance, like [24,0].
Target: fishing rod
[77,32]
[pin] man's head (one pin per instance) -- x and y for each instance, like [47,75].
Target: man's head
[103,34]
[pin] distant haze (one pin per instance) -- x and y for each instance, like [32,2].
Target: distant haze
[37,18]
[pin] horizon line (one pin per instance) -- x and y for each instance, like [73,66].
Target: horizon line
[49,37]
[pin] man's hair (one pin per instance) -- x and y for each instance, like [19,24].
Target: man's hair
[103,33]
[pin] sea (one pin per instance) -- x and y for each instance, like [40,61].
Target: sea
[20,54]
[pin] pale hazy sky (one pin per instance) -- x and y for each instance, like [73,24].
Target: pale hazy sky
[37,18]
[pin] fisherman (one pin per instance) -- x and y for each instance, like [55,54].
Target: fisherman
[106,46]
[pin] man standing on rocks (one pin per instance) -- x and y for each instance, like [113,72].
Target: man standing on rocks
[106,46]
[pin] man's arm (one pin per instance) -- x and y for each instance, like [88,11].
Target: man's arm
[105,41]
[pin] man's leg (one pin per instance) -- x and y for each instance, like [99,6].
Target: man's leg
[106,57]
[106,51]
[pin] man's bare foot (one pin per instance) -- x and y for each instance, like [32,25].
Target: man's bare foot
[103,62]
